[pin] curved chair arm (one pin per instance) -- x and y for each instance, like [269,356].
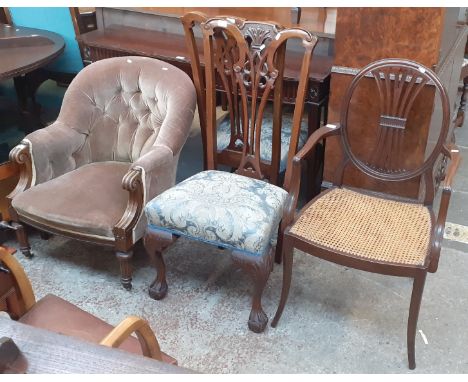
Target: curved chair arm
[295,184]
[25,291]
[45,154]
[140,182]
[453,153]
[149,343]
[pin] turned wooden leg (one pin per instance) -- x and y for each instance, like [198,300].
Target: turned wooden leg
[125,261]
[287,274]
[22,238]
[259,268]
[416,296]
[155,243]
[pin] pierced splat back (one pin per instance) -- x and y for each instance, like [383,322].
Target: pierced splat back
[399,83]
[246,58]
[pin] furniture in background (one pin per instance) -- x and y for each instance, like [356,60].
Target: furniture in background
[276,123]
[377,232]
[435,37]
[25,52]
[5,17]
[159,33]
[237,211]
[114,146]
[57,315]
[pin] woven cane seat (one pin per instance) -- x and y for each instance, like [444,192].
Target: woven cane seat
[368,227]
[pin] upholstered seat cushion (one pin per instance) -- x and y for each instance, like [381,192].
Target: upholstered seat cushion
[367,227]
[89,200]
[221,208]
[59,316]
[224,136]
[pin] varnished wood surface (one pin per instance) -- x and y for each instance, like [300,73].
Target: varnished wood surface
[48,352]
[364,35]
[9,174]
[171,46]
[24,49]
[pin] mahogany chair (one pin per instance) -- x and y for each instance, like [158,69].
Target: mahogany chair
[57,315]
[370,231]
[276,124]
[238,211]
[114,146]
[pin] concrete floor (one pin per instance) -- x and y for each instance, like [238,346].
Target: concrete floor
[337,320]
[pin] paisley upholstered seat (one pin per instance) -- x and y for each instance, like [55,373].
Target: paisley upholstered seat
[221,208]
[224,136]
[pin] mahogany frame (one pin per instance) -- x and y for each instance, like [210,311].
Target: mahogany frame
[382,173]
[248,161]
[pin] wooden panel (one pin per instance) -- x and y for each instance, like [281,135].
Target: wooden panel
[368,34]
[9,176]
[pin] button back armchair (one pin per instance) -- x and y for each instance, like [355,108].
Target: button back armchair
[374,232]
[114,146]
[239,211]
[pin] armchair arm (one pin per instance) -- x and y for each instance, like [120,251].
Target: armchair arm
[45,154]
[453,153]
[293,182]
[144,179]
[149,343]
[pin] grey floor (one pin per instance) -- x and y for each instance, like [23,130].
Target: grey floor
[337,320]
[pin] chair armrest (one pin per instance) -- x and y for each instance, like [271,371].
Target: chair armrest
[149,343]
[145,177]
[45,154]
[294,183]
[453,153]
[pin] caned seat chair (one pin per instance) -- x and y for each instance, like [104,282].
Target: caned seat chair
[377,232]
[277,122]
[57,315]
[238,211]
[114,146]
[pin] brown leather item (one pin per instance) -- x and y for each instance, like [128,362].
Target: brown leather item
[57,315]
[114,146]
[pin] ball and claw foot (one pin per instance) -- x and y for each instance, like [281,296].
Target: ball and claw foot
[257,321]
[158,290]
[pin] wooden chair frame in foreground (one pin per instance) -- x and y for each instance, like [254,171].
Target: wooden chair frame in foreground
[18,298]
[260,54]
[398,82]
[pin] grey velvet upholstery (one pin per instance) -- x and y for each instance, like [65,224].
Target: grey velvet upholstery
[117,114]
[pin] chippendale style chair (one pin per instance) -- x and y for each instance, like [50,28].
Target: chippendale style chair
[115,146]
[57,315]
[237,211]
[276,124]
[377,232]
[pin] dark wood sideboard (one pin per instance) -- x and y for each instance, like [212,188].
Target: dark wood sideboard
[153,33]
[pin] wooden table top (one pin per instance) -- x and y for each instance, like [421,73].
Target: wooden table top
[171,46]
[25,49]
[43,351]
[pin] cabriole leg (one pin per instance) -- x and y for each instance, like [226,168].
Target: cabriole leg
[259,268]
[154,245]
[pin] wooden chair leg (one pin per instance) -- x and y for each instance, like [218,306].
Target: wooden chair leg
[125,261]
[416,296]
[259,268]
[287,274]
[22,238]
[154,246]
[45,235]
